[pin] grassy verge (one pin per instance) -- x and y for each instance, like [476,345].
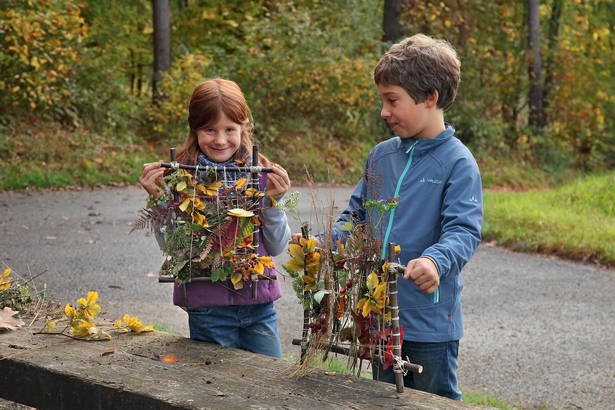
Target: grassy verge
[575,221]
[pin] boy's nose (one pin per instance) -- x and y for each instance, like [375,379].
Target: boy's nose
[384,113]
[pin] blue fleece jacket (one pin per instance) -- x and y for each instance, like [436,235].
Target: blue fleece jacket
[439,215]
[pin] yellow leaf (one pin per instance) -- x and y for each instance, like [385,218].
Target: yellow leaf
[197,204]
[236,278]
[50,325]
[211,189]
[372,281]
[254,192]
[310,282]
[308,244]
[181,186]
[200,219]
[296,252]
[240,183]
[258,268]
[88,307]
[267,261]
[135,325]
[70,311]
[295,265]
[241,213]
[184,205]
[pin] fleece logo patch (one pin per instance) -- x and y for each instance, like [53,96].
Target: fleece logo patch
[431,181]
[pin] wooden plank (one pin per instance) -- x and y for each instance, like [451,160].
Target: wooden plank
[55,372]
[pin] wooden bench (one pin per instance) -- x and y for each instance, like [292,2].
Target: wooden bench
[57,372]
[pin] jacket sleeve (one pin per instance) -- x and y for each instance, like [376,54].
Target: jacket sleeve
[275,230]
[462,216]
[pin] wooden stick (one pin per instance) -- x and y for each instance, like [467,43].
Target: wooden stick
[399,376]
[415,368]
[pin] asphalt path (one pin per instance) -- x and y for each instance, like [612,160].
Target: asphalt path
[540,332]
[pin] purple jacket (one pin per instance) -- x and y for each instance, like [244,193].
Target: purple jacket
[199,294]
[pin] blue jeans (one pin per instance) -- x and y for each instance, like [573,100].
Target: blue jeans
[249,327]
[439,361]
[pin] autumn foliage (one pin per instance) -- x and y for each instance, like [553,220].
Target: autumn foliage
[305,67]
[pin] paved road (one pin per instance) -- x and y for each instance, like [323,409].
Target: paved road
[539,332]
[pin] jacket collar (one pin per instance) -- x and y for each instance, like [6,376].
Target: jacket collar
[427,144]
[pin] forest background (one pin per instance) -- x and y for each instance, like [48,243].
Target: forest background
[85,100]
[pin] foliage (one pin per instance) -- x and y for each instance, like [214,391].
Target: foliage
[15,292]
[43,155]
[82,325]
[491,109]
[41,42]
[210,226]
[344,292]
[305,68]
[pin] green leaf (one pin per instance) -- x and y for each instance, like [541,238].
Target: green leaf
[320,294]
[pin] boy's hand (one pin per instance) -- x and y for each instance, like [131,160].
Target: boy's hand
[424,273]
[295,238]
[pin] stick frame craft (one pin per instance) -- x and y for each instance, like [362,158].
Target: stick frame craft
[209,226]
[367,330]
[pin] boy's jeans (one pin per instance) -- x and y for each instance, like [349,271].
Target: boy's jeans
[439,361]
[251,327]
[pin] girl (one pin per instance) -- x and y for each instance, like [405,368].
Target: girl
[221,135]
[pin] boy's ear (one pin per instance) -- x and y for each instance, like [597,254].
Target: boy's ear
[432,99]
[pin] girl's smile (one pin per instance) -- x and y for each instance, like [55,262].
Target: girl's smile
[220,140]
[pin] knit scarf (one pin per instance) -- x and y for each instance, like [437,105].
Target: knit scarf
[227,178]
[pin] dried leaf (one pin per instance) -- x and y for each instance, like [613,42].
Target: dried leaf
[7,321]
[170,358]
[108,352]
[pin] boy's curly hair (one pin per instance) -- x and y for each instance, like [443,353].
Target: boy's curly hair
[421,65]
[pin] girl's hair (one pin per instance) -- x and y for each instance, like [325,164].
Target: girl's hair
[209,100]
[421,65]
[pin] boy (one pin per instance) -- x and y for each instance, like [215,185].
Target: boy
[438,219]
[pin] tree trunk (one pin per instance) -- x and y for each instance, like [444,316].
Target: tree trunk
[536,117]
[554,22]
[391,22]
[162,42]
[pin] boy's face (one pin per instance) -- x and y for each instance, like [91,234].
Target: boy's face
[407,118]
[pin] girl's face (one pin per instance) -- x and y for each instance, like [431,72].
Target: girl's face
[220,140]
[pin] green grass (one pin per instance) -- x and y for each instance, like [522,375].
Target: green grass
[338,364]
[575,221]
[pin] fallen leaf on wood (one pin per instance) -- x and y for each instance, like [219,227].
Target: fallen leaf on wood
[170,358]
[7,321]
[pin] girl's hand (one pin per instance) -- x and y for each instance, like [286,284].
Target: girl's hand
[152,178]
[278,182]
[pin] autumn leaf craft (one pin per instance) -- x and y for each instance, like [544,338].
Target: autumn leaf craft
[209,228]
[344,290]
